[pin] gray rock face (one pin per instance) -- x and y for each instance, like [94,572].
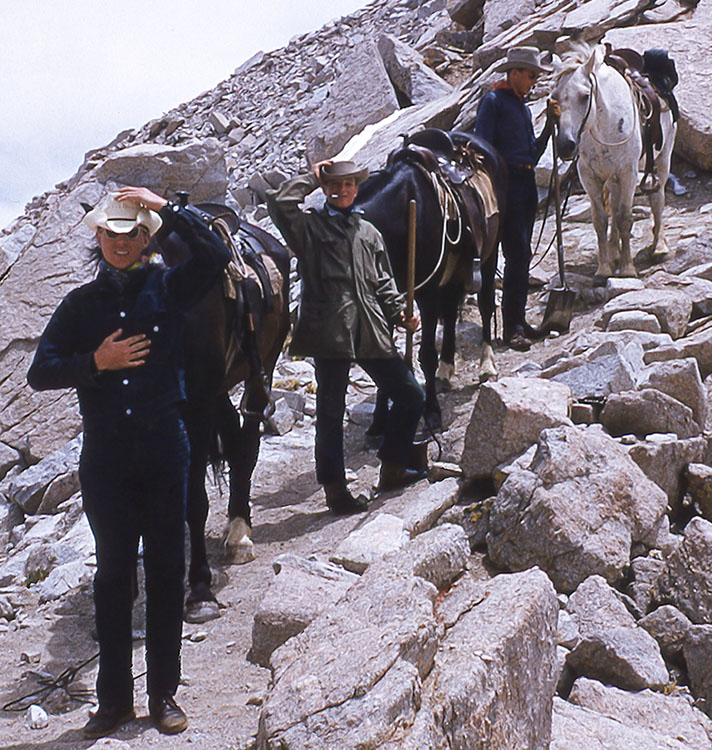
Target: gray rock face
[664,458]
[697,649]
[382,688]
[686,581]
[372,541]
[199,168]
[353,103]
[501,15]
[9,457]
[42,487]
[699,483]
[644,574]
[492,665]
[413,79]
[669,627]
[667,715]
[611,367]
[680,379]
[647,411]
[633,320]
[576,511]
[508,417]
[465,12]
[300,592]
[365,658]
[574,727]
[612,648]
[697,345]
[672,308]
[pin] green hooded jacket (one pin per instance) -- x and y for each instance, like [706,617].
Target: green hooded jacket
[349,296]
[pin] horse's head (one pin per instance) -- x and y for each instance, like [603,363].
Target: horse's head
[574,89]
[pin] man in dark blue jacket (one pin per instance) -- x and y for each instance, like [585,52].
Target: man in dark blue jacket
[504,120]
[118,341]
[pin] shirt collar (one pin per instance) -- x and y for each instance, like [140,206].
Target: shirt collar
[331,211]
[504,86]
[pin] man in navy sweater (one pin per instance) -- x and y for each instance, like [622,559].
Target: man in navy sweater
[118,341]
[504,120]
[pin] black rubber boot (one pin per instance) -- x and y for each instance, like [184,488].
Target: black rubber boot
[341,501]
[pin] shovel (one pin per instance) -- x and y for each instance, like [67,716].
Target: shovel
[560,305]
[410,280]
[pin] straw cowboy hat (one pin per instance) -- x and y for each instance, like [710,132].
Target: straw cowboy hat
[522,57]
[122,216]
[342,170]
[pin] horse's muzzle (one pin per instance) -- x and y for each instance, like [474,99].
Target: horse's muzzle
[567,147]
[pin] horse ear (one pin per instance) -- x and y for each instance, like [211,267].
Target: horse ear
[87,207]
[595,59]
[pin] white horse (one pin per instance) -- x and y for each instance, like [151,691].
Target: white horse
[600,121]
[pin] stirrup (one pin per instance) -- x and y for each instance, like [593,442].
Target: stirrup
[654,185]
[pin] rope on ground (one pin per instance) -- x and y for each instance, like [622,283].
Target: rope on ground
[49,684]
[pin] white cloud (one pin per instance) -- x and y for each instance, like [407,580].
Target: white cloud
[77,72]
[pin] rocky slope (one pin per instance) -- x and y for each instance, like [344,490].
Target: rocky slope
[559,594]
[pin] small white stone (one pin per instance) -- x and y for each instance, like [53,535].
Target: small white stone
[37,717]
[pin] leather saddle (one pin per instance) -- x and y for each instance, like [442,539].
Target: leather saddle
[631,64]
[460,162]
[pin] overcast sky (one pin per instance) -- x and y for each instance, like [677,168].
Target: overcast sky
[74,73]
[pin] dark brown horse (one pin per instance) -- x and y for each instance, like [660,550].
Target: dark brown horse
[228,340]
[455,225]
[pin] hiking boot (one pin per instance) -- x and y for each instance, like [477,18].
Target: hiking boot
[395,476]
[105,720]
[341,501]
[518,341]
[167,715]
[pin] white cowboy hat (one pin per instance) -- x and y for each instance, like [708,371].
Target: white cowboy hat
[522,57]
[122,216]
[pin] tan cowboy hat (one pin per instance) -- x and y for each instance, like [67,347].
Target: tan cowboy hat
[122,216]
[522,57]
[342,170]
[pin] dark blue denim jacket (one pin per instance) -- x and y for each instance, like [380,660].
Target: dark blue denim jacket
[151,300]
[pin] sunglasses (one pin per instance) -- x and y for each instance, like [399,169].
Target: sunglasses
[130,235]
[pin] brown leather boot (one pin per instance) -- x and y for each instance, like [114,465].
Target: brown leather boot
[341,501]
[395,476]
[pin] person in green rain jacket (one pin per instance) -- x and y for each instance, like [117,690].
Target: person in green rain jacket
[349,304]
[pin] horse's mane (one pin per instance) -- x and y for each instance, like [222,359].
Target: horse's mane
[577,56]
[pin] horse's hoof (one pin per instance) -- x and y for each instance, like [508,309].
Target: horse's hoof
[660,254]
[197,612]
[628,271]
[486,374]
[239,548]
[604,271]
[446,371]
[442,386]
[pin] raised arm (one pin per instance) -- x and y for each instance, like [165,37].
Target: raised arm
[284,208]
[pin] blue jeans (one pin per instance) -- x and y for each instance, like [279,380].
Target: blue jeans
[395,379]
[134,479]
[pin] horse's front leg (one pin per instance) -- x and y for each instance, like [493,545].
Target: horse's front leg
[428,358]
[621,198]
[240,448]
[485,303]
[450,299]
